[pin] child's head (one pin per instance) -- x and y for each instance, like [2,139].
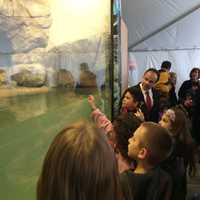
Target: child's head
[167,119]
[187,100]
[195,74]
[124,127]
[130,99]
[175,121]
[166,65]
[79,165]
[150,143]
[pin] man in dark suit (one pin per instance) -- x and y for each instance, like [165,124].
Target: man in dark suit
[149,97]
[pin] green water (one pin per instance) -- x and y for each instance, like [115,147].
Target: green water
[27,126]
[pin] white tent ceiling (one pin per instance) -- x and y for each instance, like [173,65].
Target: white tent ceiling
[162,24]
[163,30]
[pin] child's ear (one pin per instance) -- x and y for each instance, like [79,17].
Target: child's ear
[142,153]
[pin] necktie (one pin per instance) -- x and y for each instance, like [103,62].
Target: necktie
[148,101]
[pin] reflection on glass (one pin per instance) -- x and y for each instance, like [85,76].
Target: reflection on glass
[87,79]
[116,55]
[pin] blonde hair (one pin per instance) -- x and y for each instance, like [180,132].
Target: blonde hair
[79,164]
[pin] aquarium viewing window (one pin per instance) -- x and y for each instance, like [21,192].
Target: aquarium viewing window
[53,54]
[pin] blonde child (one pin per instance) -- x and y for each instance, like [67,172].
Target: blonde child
[79,165]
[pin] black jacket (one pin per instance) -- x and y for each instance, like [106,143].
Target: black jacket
[154,185]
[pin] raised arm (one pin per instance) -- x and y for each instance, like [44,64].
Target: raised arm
[99,118]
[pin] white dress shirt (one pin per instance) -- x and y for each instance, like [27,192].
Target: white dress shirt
[144,93]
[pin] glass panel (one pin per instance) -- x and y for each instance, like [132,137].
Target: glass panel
[52,55]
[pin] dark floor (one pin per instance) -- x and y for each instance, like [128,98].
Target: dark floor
[194,186]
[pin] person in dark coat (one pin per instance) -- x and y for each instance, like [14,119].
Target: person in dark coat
[191,85]
[196,119]
[148,97]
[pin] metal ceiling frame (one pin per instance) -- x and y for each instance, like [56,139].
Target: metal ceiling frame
[163,27]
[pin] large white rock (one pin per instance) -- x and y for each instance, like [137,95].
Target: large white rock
[35,56]
[24,25]
[24,8]
[97,43]
[29,75]
[52,77]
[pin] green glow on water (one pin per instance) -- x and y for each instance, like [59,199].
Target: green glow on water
[28,125]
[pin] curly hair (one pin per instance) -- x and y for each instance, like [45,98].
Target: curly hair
[135,93]
[124,126]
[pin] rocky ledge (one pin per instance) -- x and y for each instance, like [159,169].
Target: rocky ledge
[8,92]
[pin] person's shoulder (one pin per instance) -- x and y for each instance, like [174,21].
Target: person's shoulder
[135,86]
[127,173]
[186,82]
[131,177]
[155,92]
[126,177]
[166,177]
[136,90]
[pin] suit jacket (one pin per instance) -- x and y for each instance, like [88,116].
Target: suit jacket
[153,115]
